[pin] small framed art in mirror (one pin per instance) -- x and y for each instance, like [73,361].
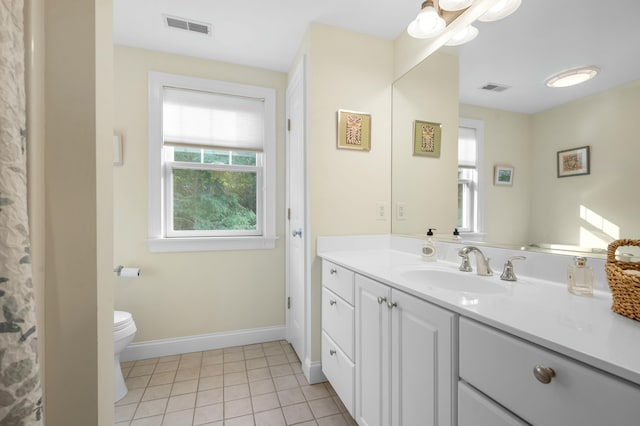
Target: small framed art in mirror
[573,162]
[503,175]
[427,138]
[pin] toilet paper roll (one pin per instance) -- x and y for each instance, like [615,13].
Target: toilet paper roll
[130,272]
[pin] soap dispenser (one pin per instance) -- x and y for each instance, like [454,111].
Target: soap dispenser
[429,250]
[580,278]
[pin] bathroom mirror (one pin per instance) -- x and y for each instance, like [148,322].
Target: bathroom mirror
[527,131]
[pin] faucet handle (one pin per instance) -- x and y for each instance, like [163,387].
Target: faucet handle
[465,266]
[507,273]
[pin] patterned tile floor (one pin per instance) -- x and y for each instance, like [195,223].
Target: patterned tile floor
[258,384]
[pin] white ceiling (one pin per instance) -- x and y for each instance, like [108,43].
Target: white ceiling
[521,51]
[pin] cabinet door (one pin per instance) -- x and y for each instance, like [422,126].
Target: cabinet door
[422,370]
[372,352]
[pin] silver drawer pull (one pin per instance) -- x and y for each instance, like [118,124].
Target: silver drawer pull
[333,271]
[332,352]
[543,374]
[381,300]
[332,302]
[391,305]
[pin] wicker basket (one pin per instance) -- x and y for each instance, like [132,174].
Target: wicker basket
[625,288]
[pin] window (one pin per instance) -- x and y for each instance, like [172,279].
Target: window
[470,136]
[211,165]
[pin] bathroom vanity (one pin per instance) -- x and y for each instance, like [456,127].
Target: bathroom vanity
[407,342]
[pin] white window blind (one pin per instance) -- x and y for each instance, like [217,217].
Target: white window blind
[467,147]
[198,118]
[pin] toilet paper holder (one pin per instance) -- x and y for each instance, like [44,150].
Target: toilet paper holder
[121,271]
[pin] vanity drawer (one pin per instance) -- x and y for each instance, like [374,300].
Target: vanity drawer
[475,409]
[337,321]
[501,366]
[340,372]
[339,280]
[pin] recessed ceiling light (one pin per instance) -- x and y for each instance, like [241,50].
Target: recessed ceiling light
[572,77]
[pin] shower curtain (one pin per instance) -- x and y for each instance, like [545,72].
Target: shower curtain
[20,392]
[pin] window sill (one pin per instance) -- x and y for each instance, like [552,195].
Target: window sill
[169,245]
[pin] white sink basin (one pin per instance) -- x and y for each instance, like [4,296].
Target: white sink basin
[449,279]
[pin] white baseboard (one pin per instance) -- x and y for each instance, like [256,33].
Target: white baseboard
[203,342]
[313,372]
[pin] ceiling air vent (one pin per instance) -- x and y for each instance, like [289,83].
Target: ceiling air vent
[494,87]
[187,25]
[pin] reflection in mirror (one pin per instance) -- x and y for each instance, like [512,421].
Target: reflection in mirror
[582,212]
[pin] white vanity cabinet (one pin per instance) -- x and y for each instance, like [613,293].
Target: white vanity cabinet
[405,352]
[338,331]
[540,386]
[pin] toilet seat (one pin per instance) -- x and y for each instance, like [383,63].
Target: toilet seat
[124,329]
[121,320]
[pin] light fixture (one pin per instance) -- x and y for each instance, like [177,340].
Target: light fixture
[428,23]
[463,36]
[572,77]
[453,5]
[501,9]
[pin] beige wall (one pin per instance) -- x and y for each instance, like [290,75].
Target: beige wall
[427,186]
[78,203]
[348,71]
[184,294]
[607,122]
[507,142]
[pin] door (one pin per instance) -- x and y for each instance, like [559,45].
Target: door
[296,241]
[372,352]
[422,374]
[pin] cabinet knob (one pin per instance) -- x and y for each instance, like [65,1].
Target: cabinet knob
[332,302]
[392,305]
[543,374]
[333,271]
[381,300]
[332,352]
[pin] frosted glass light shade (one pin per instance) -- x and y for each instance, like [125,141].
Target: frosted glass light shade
[500,10]
[572,77]
[453,5]
[427,24]
[463,36]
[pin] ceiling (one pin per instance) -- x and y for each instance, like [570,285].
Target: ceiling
[543,37]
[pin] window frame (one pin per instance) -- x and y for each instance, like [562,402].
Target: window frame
[475,188]
[159,170]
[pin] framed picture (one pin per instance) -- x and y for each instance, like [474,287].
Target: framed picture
[503,175]
[427,138]
[573,162]
[354,130]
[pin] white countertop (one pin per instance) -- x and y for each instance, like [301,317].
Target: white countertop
[540,311]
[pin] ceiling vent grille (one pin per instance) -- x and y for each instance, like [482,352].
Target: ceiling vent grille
[494,87]
[187,25]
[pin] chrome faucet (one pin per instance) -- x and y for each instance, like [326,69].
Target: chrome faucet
[482,263]
[507,273]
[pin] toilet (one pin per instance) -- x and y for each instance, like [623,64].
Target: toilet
[123,331]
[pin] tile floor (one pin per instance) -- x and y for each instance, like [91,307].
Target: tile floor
[258,384]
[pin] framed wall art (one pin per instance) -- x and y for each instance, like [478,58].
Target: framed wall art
[354,130]
[573,162]
[503,175]
[427,138]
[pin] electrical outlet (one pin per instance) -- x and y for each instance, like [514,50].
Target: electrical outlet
[401,211]
[381,211]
